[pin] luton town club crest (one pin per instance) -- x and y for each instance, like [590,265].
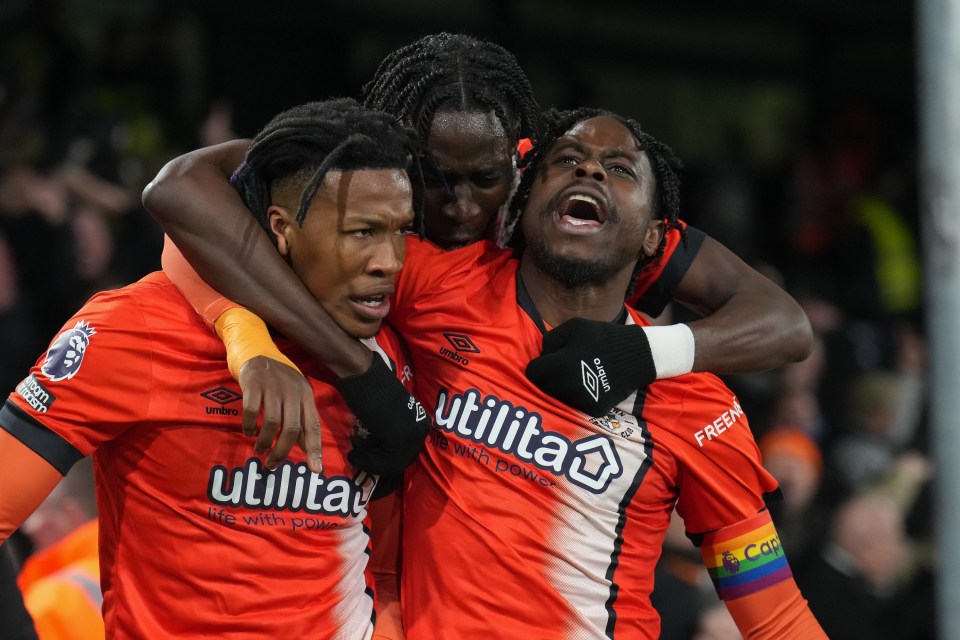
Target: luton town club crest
[65,355]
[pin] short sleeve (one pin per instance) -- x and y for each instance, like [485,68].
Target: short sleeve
[722,479]
[90,386]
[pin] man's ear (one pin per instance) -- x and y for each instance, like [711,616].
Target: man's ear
[282,226]
[653,238]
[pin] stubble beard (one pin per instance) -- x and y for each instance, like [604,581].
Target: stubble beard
[577,273]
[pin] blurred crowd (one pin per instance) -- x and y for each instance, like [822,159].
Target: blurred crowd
[91,106]
[85,124]
[846,431]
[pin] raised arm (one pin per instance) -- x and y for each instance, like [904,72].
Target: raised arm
[199,210]
[748,322]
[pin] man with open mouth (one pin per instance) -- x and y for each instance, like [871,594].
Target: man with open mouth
[524,517]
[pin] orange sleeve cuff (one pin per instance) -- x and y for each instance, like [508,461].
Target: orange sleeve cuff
[201,296]
[778,612]
[25,481]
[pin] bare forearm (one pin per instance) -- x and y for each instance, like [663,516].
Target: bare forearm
[753,331]
[197,207]
[748,323]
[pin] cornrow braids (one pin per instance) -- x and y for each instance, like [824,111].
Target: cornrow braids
[305,142]
[666,170]
[457,72]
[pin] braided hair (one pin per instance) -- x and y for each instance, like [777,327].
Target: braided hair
[457,72]
[666,168]
[302,144]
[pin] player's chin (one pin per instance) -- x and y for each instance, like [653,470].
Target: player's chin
[364,329]
[358,325]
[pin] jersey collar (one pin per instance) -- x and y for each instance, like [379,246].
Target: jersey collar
[526,303]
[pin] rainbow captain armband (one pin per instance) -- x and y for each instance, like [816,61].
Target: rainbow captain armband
[745,557]
[246,336]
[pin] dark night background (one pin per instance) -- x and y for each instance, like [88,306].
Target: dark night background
[796,121]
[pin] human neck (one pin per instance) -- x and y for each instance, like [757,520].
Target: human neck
[558,303]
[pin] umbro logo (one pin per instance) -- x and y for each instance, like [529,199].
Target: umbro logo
[421,412]
[594,377]
[461,344]
[222,396]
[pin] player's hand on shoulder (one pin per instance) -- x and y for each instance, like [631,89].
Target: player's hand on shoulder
[592,366]
[392,424]
[279,398]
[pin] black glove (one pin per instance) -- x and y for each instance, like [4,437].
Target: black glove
[593,366]
[392,425]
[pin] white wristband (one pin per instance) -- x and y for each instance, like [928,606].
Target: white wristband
[672,348]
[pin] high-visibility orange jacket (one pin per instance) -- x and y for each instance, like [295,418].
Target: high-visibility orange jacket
[61,588]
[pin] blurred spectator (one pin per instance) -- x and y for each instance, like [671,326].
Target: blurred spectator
[861,584]
[799,407]
[716,623]
[794,459]
[725,200]
[34,220]
[217,126]
[682,584]
[15,320]
[61,579]
[885,412]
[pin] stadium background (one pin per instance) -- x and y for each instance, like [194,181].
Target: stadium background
[787,115]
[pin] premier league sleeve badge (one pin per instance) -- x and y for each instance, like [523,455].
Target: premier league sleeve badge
[65,355]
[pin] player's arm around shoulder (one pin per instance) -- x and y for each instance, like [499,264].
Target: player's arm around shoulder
[748,323]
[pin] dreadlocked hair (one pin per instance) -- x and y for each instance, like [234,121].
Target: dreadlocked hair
[457,72]
[302,144]
[666,170]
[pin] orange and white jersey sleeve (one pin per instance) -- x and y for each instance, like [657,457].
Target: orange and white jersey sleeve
[90,386]
[73,400]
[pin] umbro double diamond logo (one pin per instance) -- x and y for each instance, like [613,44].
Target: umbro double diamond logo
[222,396]
[594,377]
[461,344]
[421,412]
